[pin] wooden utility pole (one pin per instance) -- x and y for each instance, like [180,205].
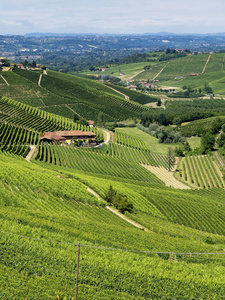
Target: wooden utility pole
[78,257]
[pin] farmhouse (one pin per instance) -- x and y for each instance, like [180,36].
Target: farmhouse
[131,87]
[67,137]
[195,74]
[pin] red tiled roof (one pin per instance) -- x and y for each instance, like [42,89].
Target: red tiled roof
[74,133]
[52,136]
[62,135]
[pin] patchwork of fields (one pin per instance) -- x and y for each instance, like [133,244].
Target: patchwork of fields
[176,73]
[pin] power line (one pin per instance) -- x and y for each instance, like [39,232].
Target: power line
[114,249]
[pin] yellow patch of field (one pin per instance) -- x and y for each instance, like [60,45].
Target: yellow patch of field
[167,177]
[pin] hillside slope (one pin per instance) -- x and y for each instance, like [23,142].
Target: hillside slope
[67,95]
[44,216]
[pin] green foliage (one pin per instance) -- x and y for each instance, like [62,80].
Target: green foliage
[170,158]
[135,96]
[179,151]
[207,142]
[118,200]
[165,134]
[159,102]
[221,140]
[5,62]
[110,195]
[198,127]
[83,122]
[208,89]
[185,110]
[122,204]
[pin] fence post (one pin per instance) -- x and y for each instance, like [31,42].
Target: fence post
[78,257]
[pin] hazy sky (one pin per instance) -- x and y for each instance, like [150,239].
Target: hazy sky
[111,16]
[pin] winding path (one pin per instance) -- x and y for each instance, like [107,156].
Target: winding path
[39,80]
[125,96]
[33,150]
[160,71]
[206,63]
[107,136]
[4,80]
[116,212]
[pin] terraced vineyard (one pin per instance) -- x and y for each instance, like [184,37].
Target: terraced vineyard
[129,140]
[61,90]
[16,140]
[139,156]
[21,126]
[200,172]
[50,204]
[93,162]
[13,112]
[134,95]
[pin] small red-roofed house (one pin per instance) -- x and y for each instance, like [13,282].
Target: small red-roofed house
[68,137]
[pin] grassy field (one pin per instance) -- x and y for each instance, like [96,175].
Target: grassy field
[194,142]
[150,141]
[129,70]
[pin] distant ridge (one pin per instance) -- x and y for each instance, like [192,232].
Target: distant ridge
[52,34]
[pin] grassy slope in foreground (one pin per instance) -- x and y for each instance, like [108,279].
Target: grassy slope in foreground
[31,206]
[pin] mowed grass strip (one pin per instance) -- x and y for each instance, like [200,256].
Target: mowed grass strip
[167,177]
[194,142]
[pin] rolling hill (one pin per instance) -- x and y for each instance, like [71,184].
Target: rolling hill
[170,245]
[67,95]
[175,73]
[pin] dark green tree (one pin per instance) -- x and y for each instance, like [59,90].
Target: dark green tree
[82,121]
[5,62]
[179,151]
[75,118]
[110,195]
[159,102]
[170,158]
[221,140]
[187,146]
[207,142]
[123,204]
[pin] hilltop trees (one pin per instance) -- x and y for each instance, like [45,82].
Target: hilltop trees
[207,142]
